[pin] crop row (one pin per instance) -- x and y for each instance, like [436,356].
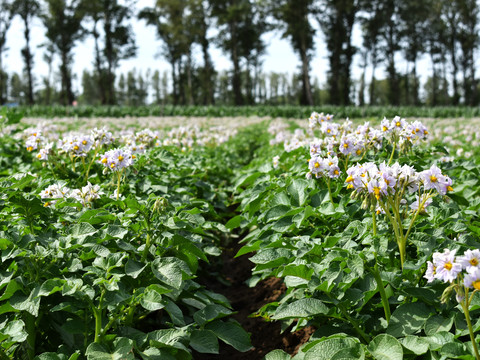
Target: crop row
[296,112]
[348,217]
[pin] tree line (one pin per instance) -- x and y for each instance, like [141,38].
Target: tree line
[444,31]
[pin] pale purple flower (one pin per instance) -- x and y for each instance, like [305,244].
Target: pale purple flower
[472,279]
[447,267]
[470,260]
[430,274]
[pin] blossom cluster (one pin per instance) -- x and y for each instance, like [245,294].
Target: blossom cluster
[326,167]
[406,132]
[117,159]
[448,267]
[383,180]
[86,195]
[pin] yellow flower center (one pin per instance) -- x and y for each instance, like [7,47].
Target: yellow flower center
[349,179]
[433,178]
[345,146]
[449,188]
[398,124]
[104,160]
[335,172]
[473,262]
[425,132]
[328,131]
[387,182]
[84,142]
[476,285]
[448,266]
[317,165]
[384,128]
[30,148]
[39,156]
[120,158]
[330,163]
[75,147]
[112,165]
[359,152]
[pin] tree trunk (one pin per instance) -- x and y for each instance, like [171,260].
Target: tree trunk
[67,94]
[208,98]
[372,80]
[416,100]
[307,98]
[109,54]
[3,92]
[28,61]
[98,66]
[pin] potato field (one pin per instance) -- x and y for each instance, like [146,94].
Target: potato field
[161,238]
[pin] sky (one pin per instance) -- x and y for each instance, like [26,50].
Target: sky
[279,56]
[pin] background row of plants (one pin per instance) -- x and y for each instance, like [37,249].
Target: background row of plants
[295,112]
[342,278]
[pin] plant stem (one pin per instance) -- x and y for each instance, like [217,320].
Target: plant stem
[91,163]
[97,312]
[374,222]
[119,174]
[465,305]
[381,289]
[355,325]
[393,152]
[147,246]
[329,191]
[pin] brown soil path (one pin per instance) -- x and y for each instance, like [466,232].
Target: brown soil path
[265,336]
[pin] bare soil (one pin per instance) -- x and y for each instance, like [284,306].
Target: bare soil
[265,336]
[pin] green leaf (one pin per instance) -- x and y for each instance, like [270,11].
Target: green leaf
[231,333]
[385,347]
[277,355]
[122,350]
[116,231]
[134,268]
[204,341]
[436,341]
[455,350]
[297,190]
[407,319]
[437,323]
[174,338]
[151,300]
[50,356]
[276,212]
[271,256]
[300,309]
[15,330]
[234,222]
[335,348]
[82,231]
[30,303]
[415,344]
[169,271]
[209,313]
